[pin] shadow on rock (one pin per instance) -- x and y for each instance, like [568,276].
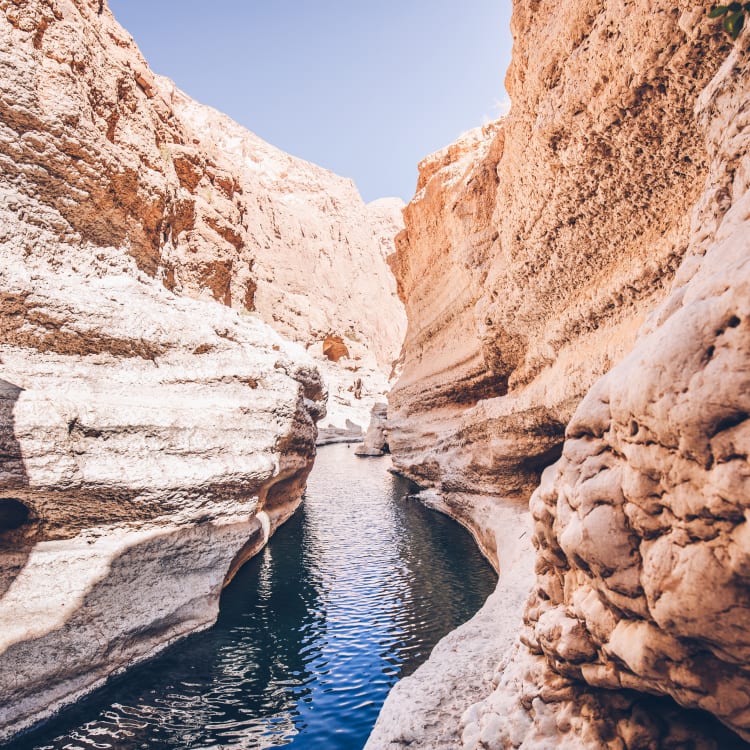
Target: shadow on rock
[15,514]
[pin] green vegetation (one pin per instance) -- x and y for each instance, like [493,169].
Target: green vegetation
[734,17]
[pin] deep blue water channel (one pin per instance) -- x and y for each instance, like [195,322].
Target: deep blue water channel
[350,595]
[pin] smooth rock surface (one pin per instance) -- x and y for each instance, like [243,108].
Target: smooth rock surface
[155,451]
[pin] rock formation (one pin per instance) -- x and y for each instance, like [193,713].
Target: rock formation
[202,204]
[154,430]
[376,438]
[154,444]
[309,257]
[590,300]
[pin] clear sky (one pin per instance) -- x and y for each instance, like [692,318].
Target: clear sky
[366,89]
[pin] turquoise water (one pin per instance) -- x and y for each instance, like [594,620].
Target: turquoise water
[351,594]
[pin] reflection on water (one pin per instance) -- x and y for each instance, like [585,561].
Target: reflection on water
[351,594]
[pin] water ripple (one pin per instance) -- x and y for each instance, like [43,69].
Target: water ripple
[350,595]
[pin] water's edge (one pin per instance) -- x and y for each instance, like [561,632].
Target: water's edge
[353,592]
[424,710]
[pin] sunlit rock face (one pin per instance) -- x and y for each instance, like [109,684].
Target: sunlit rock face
[641,527]
[575,279]
[375,442]
[308,256]
[200,203]
[144,481]
[154,429]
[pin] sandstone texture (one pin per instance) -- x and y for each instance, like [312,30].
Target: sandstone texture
[309,257]
[201,204]
[149,466]
[575,279]
[154,428]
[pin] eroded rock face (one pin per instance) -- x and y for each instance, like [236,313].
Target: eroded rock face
[641,527]
[154,430]
[535,247]
[376,438]
[309,257]
[146,481]
[334,348]
[201,204]
[593,244]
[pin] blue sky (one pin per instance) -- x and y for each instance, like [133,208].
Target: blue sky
[366,89]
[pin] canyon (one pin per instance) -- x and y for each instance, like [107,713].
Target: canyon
[590,306]
[163,360]
[182,303]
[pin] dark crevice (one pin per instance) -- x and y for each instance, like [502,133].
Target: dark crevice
[13,514]
[535,464]
[728,422]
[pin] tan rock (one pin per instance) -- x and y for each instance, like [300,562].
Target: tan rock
[376,437]
[304,252]
[593,244]
[674,438]
[334,348]
[202,204]
[135,506]
[154,430]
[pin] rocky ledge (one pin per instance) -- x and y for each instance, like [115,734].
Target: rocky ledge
[150,444]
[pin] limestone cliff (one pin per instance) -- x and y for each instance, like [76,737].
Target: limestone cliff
[593,244]
[310,258]
[154,430]
[201,204]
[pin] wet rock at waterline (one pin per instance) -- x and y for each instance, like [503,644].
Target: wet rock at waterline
[345,599]
[349,433]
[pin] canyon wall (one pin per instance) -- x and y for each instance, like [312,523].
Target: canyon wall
[154,428]
[575,278]
[200,203]
[309,258]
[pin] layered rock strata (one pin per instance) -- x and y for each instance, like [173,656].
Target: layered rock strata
[535,250]
[154,430]
[309,258]
[152,444]
[200,203]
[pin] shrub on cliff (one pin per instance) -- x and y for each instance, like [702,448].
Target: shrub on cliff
[734,17]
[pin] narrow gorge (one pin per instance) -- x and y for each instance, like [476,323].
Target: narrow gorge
[558,321]
[164,362]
